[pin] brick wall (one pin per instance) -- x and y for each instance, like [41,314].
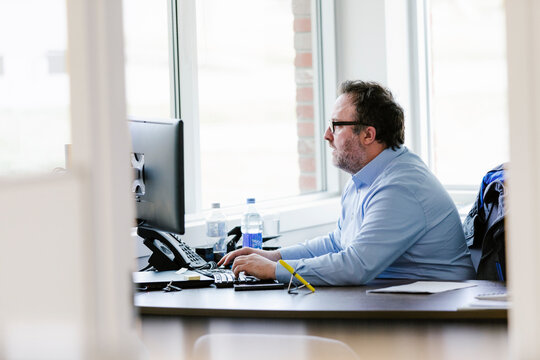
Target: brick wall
[303,63]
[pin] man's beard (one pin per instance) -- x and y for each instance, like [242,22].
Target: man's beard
[351,158]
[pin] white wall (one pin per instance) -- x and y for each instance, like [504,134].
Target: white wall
[523,241]
[373,45]
[373,40]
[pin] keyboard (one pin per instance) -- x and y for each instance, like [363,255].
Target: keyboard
[225,279]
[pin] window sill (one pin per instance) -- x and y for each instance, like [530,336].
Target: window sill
[464,199]
[302,212]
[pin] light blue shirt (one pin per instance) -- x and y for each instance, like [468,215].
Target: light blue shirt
[397,221]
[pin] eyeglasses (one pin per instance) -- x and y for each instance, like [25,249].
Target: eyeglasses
[333,124]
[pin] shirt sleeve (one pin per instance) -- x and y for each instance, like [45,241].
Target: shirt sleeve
[313,248]
[391,219]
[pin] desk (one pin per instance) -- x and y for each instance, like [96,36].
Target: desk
[326,302]
[375,326]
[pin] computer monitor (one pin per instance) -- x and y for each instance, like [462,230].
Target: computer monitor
[157,160]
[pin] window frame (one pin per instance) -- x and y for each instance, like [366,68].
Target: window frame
[421,84]
[301,211]
[462,194]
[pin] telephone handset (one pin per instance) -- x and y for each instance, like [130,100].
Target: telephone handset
[168,251]
[236,234]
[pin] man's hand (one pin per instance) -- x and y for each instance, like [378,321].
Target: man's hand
[256,265]
[256,262]
[273,255]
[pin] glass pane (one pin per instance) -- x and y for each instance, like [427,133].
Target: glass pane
[469,98]
[255,100]
[34,86]
[146,45]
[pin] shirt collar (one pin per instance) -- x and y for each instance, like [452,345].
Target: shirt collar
[375,167]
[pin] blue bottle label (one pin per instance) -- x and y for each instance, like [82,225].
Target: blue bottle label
[252,240]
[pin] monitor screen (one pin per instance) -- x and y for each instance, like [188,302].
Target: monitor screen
[157,160]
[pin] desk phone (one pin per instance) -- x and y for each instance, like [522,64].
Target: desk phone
[168,251]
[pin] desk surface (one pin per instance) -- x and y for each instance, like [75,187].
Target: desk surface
[326,302]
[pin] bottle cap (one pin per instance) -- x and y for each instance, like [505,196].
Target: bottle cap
[216,205]
[250,201]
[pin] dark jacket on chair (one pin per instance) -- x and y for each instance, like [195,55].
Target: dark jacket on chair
[484,227]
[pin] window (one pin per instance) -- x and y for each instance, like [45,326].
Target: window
[34,96]
[248,87]
[146,44]
[256,113]
[468,97]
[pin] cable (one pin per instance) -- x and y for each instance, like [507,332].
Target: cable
[210,265]
[146,268]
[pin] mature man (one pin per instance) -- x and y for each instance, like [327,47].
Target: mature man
[396,221]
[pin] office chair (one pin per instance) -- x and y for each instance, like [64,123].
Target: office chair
[270,347]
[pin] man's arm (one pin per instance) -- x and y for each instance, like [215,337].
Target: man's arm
[262,263]
[312,248]
[393,221]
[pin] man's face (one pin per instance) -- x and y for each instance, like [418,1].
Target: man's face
[348,152]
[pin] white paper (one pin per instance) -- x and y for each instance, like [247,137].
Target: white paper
[424,287]
[487,304]
[181,271]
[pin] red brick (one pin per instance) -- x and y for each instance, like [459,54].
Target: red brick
[304,111]
[308,183]
[305,128]
[307,164]
[303,60]
[304,94]
[302,25]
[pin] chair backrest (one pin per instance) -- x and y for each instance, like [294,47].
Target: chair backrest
[235,346]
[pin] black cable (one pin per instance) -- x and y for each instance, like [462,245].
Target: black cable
[209,265]
[204,272]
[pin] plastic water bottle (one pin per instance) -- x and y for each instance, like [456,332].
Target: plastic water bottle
[252,226]
[216,230]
